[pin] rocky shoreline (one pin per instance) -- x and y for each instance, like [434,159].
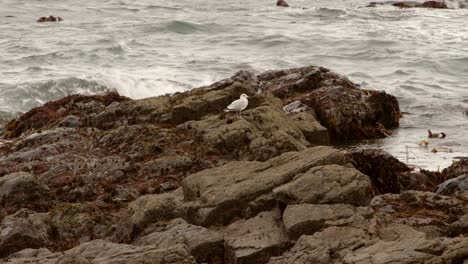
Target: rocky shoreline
[174,179]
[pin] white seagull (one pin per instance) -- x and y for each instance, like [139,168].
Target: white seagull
[238,105]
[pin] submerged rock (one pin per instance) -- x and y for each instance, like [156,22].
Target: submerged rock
[282,3]
[412,4]
[49,19]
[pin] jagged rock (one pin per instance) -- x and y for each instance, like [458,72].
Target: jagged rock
[425,211]
[256,239]
[306,219]
[454,185]
[39,256]
[347,111]
[22,189]
[104,252]
[404,245]
[263,133]
[382,168]
[456,169]
[25,229]
[215,101]
[327,184]
[459,227]
[323,246]
[49,19]
[205,245]
[48,114]
[80,222]
[455,252]
[224,192]
[419,180]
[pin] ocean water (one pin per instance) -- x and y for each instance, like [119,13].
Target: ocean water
[146,48]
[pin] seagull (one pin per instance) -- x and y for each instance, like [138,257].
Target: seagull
[238,105]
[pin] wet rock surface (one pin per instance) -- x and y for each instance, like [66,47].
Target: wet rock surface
[412,4]
[175,179]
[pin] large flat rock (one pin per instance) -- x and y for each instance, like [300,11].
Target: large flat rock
[224,192]
[327,184]
[306,219]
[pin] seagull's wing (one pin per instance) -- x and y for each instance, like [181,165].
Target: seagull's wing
[237,105]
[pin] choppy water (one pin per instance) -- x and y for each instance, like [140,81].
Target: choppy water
[151,47]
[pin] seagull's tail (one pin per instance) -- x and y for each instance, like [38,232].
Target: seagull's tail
[227,110]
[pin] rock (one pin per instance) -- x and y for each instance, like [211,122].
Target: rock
[314,132]
[306,219]
[424,211]
[323,246]
[282,3]
[224,192]
[149,209]
[459,227]
[264,132]
[455,252]
[413,4]
[25,229]
[456,169]
[22,189]
[347,111]
[166,165]
[46,115]
[382,168]
[454,185]
[49,19]
[70,121]
[215,101]
[327,184]
[94,158]
[39,256]
[80,222]
[406,247]
[256,239]
[104,252]
[205,245]
[434,4]
[419,180]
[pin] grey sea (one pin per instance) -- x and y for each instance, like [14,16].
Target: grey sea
[146,48]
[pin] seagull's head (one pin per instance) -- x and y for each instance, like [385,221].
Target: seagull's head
[244,96]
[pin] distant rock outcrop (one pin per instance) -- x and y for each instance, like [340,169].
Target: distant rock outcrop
[49,19]
[412,4]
